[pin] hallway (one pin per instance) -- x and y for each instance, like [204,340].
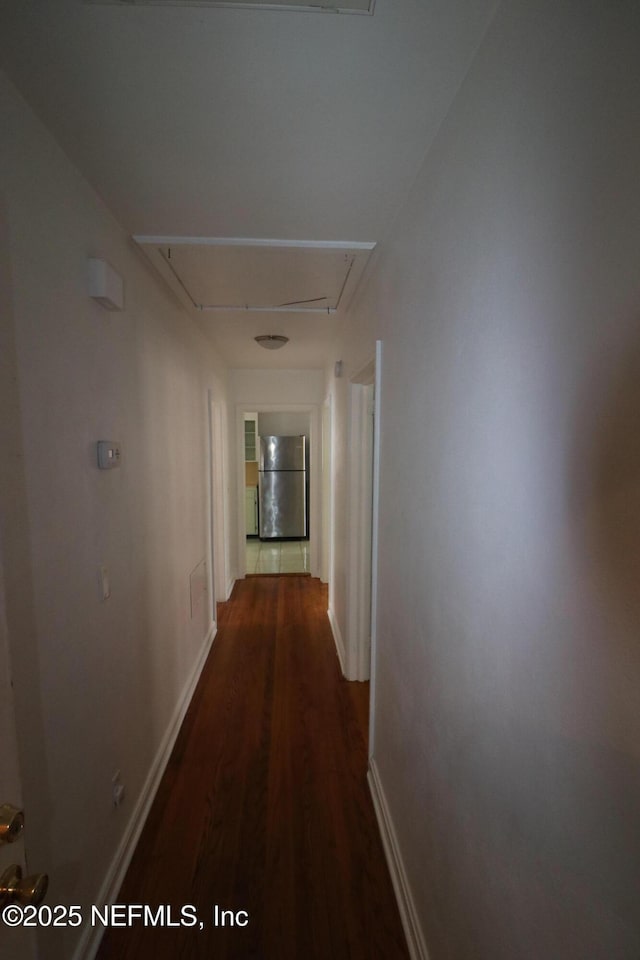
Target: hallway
[209,212]
[264,806]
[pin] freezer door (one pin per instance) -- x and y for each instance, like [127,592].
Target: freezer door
[282,453]
[282,504]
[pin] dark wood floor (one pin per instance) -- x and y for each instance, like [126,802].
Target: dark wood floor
[264,806]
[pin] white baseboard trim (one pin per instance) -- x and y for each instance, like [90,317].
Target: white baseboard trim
[91,936]
[231,582]
[337,638]
[412,929]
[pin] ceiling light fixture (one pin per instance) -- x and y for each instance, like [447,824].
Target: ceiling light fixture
[271,341]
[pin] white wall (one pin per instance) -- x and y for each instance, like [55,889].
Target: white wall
[266,388]
[97,683]
[283,424]
[508,659]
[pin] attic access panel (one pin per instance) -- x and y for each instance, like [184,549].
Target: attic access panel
[269,275]
[323,6]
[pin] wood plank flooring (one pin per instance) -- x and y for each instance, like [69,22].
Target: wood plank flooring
[264,806]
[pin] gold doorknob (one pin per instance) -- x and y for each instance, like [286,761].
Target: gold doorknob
[27,890]
[11,823]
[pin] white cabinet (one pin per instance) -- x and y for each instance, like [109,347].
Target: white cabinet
[251,436]
[251,510]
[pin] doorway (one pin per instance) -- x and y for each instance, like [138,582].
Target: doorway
[360,513]
[260,554]
[18,943]
[364,446]
[217,541]
[22,762]
[326,574]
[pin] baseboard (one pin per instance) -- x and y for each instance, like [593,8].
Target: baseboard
[337,638]
[91,936]
[413,931]
[231,582]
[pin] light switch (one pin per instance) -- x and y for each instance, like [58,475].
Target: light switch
[104,583]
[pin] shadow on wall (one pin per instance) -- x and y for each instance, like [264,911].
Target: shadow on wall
[543,848]
[536,836]
[605,509]
[607,491]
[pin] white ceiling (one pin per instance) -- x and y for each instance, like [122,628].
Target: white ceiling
[217,122]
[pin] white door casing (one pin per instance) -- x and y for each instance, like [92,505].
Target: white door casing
[358,646]
[362,511]
[326,574]
[19,944]
[375,512]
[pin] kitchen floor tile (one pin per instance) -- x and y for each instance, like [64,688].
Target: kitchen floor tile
[285,556]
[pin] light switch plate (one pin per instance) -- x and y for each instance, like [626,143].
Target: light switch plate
[104,583]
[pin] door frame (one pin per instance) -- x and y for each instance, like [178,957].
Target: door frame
[327,565]
[359,520]
[23,773]
[217,578]
[19,943]
[363,530]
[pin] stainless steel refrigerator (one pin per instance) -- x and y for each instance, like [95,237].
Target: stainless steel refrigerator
[282,484]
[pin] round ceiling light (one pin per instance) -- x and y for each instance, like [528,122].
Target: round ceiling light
[271,341]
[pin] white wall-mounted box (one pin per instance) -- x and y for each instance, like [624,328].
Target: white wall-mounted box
[105,285]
